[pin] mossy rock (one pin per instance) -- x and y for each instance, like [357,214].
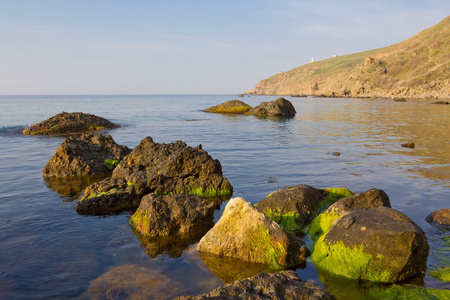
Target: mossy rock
[277,108]
[230,107]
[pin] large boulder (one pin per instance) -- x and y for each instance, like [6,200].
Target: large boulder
[68,123]
[244,232]
[377,244]
[85,155]
[440,218]
[172,214]
[295,206]
[230,107]
[372,198]
[286,285]
[277,108]
[161,169]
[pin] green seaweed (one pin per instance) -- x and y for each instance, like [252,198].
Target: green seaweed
[111,163]
[98,194]
[208,192]
[441,273]
[333,195]
[140,221]
[407,292]
[321,224]
[260,240]
[287,221]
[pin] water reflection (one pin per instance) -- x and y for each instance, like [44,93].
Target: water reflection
[70,188]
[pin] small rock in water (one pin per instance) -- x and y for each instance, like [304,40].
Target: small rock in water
[408,145]
[336,153]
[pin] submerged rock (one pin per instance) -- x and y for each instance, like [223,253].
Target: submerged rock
[377,244]
[441,102]
[230,107]
[244,232]
[171,214]
[295,206]
[68,123]
[85,155]
[286,285]
[277,108]
[173,168]
[408,145]
[440,218]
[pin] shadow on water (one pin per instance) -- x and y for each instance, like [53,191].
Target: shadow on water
[70,189]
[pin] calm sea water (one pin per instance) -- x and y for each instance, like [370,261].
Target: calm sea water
[49,251]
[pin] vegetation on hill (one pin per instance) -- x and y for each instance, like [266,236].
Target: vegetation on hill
[418,67]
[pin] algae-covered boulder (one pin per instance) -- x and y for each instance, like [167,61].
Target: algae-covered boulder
[230,107]
[295,206]
[440,219]
[372,198]
[277,108]
[173,168]
[245,232]
[85,155]
[278,286]
[377,244]
[68,123]
[171,214]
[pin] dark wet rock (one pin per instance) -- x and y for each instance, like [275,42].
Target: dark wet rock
[400,100]
[244,232]
[277,108]
[378,244]
[408,145]
[336,153]
[68,123]
[286,285]
[441,102]
[173,168]
[172,214]
[440,218]
[295,206]
[230,107]
[85,155]
[134,282]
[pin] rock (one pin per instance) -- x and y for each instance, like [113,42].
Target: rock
[277,108]
[173,168]
[408,145]
[230,107]
[377,244]
[336,153]
[440,102]
[85,155]
[295,206]
[68,123]
[245,232]
[440,218]
[400,100]
[171,214]
[286,285]
[134,282]
[372,198]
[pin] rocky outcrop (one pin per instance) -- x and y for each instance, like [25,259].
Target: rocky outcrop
[277,108]
[230,107]
[440,218]
[245,232]
[85,155]
[69,123]
[286,285]
[295,206]
[173,168]
[171,214]
[361,237]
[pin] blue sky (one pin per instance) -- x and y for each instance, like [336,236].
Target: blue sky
[187,47]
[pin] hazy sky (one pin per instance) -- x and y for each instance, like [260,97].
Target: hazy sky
[188,46]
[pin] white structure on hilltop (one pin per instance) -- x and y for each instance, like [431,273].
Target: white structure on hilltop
[312,59]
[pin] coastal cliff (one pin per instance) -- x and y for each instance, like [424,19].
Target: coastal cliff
[418,67]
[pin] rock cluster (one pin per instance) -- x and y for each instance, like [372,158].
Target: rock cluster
[69,123]
[85,155]
[286,285]
[277,108]
[173,168]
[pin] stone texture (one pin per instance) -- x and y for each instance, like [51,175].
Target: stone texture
[244,232]
[230,107]
[440,218]
[85,155]
[286,285]
[277,108]
[69,123]
[173,168]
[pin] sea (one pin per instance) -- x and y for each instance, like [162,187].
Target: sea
[48,251]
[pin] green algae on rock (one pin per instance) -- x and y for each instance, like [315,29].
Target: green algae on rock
[230,107]
[69,123]
[244,232]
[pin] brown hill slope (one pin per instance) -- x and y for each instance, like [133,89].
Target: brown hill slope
[418,67]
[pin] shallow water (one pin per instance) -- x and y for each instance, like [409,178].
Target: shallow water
[49,251]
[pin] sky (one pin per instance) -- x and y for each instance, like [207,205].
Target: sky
[64,47]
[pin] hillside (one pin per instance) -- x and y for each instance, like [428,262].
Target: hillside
[418,67]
